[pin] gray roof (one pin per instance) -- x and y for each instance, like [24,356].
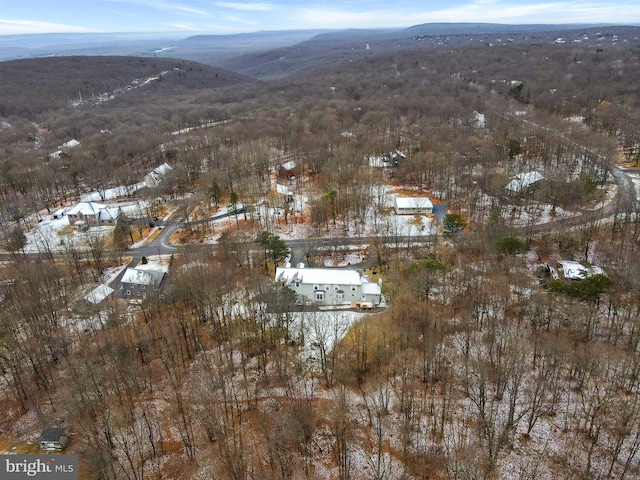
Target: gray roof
[52,434]
[143,277]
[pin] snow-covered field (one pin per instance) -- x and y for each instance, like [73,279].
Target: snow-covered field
[111,193]
[321,331]
[52,234]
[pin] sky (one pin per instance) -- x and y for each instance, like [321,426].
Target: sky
[226,17]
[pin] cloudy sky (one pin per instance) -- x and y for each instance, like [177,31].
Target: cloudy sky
[220,17]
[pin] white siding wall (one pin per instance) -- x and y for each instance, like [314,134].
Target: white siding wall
[333,294]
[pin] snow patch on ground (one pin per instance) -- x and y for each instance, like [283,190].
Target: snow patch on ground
[111,193]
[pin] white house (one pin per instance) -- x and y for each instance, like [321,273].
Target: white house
[392,159]
[330,286]
[155,176]
[73,143]
[285,191]
[413,205]
[62,150]
[524,180]
[478,120]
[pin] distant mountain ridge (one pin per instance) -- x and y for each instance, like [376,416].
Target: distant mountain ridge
[211,47]
[470,28]
[30,86]
[276,54]
[348,45]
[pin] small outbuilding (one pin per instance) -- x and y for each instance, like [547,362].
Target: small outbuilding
[54,439]
[522,181]
[413,205]
[73,143]
[571,270]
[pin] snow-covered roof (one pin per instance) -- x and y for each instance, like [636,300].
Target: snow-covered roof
[369,288]
[86,208]
[143,277]
[576,271]
[158,263]
[479,120]
[413,202]
[325,276]
[71,143]
[163,169]
[523,180]
[101,211]
[290,165]
[108,214]
[98,294]
[155,176]
[381,161]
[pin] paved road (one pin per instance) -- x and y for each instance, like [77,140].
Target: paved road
[160,245]
[302,249]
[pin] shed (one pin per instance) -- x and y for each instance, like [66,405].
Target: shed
[577,271]
[524,180]
[54,439]
[98,294]
[285,191]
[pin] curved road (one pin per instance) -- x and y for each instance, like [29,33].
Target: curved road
[301,248]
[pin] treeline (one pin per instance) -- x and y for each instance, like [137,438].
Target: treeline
[472,371]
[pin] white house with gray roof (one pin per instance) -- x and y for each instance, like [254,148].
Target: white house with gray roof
[157,175]
[330,286]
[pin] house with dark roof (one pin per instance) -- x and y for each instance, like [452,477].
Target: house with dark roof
[140,282]
[54,439]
